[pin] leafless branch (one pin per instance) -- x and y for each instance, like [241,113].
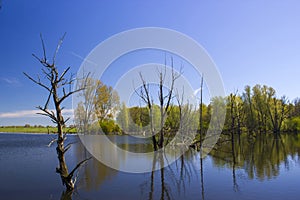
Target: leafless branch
[37,82]
[58,47]
[77,166]
[48,99]
[51,142]
[70,93]
[48,113]
[44,49]
[63,74]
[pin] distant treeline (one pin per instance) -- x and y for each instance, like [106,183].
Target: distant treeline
[255,110]
[35,129]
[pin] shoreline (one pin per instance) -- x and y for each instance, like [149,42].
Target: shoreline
[34,130]
[31,133]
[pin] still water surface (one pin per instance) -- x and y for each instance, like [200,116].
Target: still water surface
[263,169]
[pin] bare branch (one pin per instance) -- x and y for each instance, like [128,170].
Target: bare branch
[48,74]
[41,61]
[44,49]
[58,47]
[37,82]
[48,99]
[65,121]
[146,97]
[52,141]
[68,146]
[70,93]
[63,74]
[48,113]
[77,166]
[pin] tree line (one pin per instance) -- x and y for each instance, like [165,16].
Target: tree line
[256,110]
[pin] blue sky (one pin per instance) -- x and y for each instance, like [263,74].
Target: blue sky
[250,41]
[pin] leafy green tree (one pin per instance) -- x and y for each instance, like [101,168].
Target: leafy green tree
[123,118]
[85,110]
[109,126]
[260,105]
[139,116]
[278,112]
[249,119]
[106,102]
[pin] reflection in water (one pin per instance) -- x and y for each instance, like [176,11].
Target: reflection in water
[261,157]
[261,163]
[202,177]
[66,195]
[94,173]
[171,181]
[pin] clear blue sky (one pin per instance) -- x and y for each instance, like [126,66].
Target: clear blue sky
[250,41]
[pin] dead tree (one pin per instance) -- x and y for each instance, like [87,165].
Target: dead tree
[164,101]
[145,95]
[201,113]
[59,88]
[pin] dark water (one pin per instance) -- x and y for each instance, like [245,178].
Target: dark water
[264,168]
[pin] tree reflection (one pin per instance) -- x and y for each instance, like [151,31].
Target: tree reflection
[171,180]
[202,177]
[260,156]
[66,195]
[95,172]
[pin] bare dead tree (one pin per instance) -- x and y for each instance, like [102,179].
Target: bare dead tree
[59,88]
[201,113]
[165,100]
[145,95]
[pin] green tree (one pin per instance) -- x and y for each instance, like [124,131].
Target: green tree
[84,113]
[277,109]
[106,102]
[139,116]
[123,118]
[249,118]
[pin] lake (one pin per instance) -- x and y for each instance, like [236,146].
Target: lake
[264,168]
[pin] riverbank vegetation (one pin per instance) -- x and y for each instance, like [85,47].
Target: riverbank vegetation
[35,129]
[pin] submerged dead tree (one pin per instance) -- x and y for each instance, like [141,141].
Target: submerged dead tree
[59,88]
[165,99]
[145,95]
[165,96]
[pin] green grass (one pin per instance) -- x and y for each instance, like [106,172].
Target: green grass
[32,129]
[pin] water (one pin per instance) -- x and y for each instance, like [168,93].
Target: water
[264,169]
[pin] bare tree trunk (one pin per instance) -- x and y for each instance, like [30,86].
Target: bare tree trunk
[58,81]
[154,142]
[162,113]
[201,113]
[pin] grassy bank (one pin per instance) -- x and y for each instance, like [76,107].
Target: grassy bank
[33,129]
